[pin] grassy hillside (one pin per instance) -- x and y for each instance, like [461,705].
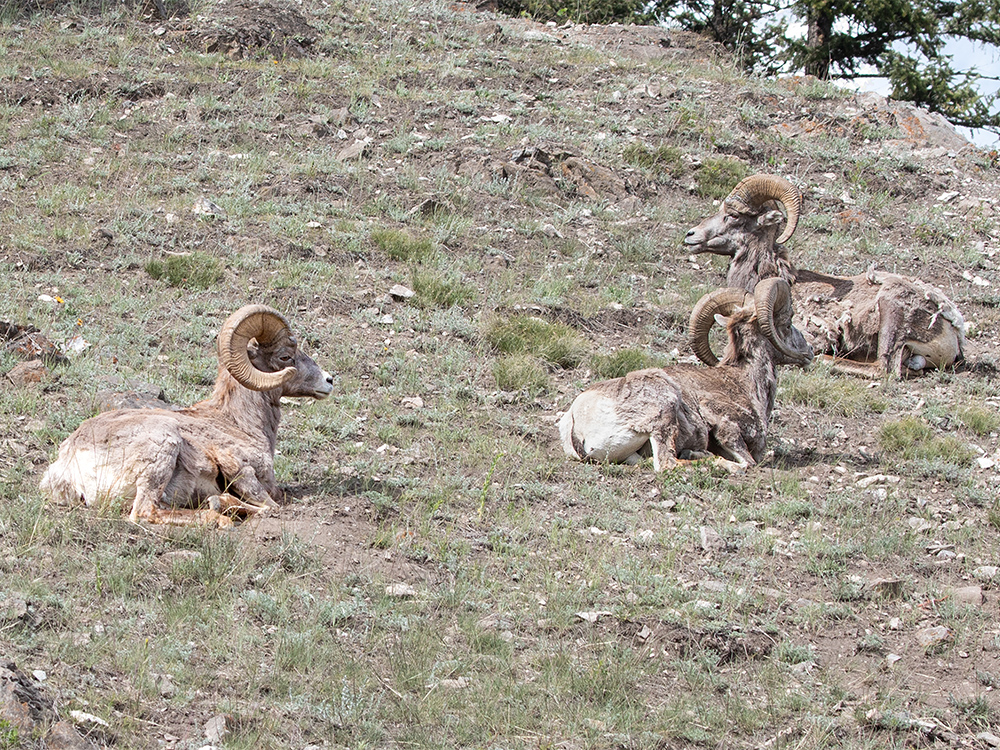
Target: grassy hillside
[531,185]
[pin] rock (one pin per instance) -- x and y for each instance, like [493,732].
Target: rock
[710,539]
[928,638]
[986,573]
[64,736]
[989,738]
[457,683]
[876,479]
[400,590]
[27,342]
[968,595]
[82,717]
[32,371]
[918,524]
[355,151]
[594,616]
[13,608]
[398,291]
[217,728]
[204,207]
[412,402]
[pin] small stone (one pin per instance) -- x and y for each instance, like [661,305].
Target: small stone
[968,595]
[989,738]
[400,590]
[355,151]
[593,616]
[63,736]
[919,524]
[399,291]
[710,539]
[891,659]
[204,207]
[217,728]
[930,637]
[985,572]
[39,674]
[412,402]
[82,717]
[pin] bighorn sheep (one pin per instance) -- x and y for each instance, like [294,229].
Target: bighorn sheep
[871,324]
[219,452]
[687,411]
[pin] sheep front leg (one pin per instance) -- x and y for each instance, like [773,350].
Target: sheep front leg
[247,493]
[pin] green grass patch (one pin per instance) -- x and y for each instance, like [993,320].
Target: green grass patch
[717,177]
[521,372]
[979,419]
[436,290]
[194,271]
[663,161]
[403,246]
[915,440]
[555,343]
[841,396]
[619,363]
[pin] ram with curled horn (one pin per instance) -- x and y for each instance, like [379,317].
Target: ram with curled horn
[687,411]
[869,325]
[205,463]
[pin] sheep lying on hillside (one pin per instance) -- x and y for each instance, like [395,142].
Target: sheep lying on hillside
[879,322]
[687,411]
[219,452]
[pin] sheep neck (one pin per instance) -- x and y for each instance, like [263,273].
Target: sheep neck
[759,258]
[753,355]
[255,413]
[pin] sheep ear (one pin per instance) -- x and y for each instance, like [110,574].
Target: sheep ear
[722,320]
[769,218]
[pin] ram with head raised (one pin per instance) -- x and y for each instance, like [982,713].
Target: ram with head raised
[870,324]
[688,411]
[197,465]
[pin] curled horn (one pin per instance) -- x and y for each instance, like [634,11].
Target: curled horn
[252,322]
[719,302]
[754,190]
[770,295]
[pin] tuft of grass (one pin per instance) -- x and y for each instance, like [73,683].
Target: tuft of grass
[663,161]
[435,290]
[914,439]
[980,420]
[622,362]
[194,271]
[717,177]
[521,372]
[841,396]
[555,343]
[403,246]
[976,711]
